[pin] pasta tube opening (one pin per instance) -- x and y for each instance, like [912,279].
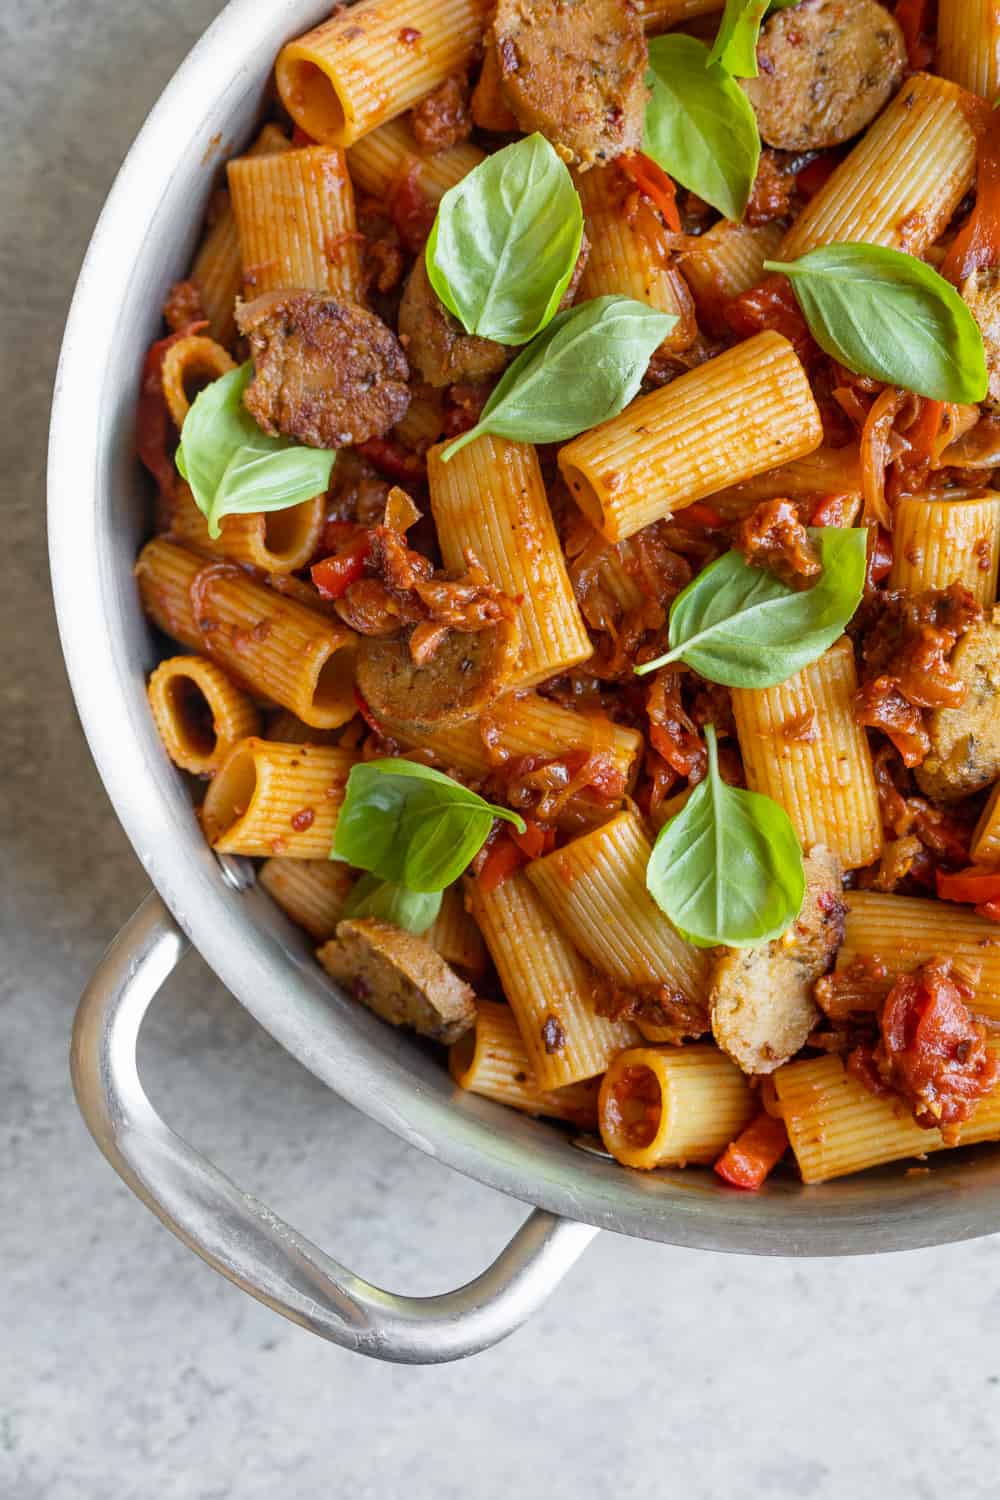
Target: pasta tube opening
[319,107]
[632,1112]
[290,535]
[199,712]
[334,685]
[192,714]
[584,494]
[188,367]
[231,793]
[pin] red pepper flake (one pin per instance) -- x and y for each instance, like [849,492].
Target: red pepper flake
[303,819]
[409,36]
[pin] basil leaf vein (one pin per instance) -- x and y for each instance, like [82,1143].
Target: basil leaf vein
[412,825]
[743,627]
[735,45]
[700,126]
[886,314]
[415,911]
[232,467]
[585,368]
[505,242]
[728,867]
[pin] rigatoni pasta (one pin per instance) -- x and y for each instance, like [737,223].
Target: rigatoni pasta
[510,531]
[903,180]
[282,651]
[968,45]
[188,365]
[743,412]
[296,222]
[313,892]
[726,260]
[491,1060]
[278,541]
[270,799]
[217,272]
[894,935]
[595,889]
[630,253]
[940,542]
[200,712]
[367,65]
[667,1106]
[802,746]
[672,872]
[836,1125]
[548,985]
[389,155]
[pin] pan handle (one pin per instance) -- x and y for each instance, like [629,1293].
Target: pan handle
[241,1237]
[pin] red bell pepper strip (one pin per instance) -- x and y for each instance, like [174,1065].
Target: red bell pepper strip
[917,25]
[503,860]
[746,1162]
[700,515]
[974,885]
[654,184]
[977,244]
[334,575]
[152,418]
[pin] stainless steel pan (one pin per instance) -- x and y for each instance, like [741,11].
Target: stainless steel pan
[96,519]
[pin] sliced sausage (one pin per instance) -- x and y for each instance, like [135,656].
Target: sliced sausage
[826,69]
[761,999]
[400,977]
[981,291]
[466,672]
[965,742]
[575,70]
[437,346]
[328,373]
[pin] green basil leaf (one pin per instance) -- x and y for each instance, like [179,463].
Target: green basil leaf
[414,911]
[407,823]
[700,126]
[585,367]
[235,469]
[885,314]
[505,242]
[728,868]
[735,45]
[741,626]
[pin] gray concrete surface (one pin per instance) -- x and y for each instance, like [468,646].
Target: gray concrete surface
[128,1371]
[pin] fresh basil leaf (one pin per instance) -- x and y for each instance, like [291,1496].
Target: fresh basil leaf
[728,867]
[741,626]
[700,126]
[235,469]
[735,45]
[585,367]
[885,314]
[407,823]
[505,242]
[414,911]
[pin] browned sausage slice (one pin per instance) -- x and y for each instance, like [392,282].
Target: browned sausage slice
[437,346]
[826,69]
[465,673]
[400,977]
[965,742]
[328,373]
[575,70]
[981,291]
[761,998]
